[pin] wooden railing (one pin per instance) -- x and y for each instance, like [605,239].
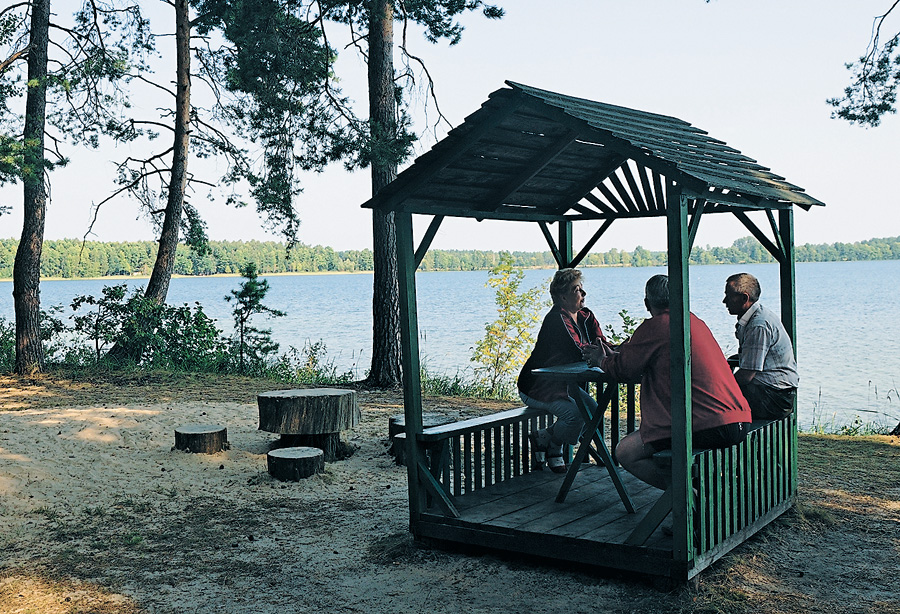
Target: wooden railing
[476,453]
[741,484]
[473,454]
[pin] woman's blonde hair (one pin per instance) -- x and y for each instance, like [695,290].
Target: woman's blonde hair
[562,281]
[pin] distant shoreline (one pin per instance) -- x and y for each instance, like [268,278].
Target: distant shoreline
[71,260]
[136,277]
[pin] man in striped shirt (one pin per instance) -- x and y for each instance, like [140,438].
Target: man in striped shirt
[766,367]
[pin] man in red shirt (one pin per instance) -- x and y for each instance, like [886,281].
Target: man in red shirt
[719,412]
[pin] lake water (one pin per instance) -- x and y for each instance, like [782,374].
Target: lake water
[848,335]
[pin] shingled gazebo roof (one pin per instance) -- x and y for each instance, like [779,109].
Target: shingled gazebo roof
[530,154]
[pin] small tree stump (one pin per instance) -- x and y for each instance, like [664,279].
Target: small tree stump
[397,424]
[294,464]
[311,417]
[201,438]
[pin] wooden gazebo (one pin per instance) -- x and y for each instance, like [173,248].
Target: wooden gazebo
[530,155]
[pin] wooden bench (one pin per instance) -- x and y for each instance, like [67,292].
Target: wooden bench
[729,500]
[397,425]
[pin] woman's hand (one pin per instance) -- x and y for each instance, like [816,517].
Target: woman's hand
[595,353]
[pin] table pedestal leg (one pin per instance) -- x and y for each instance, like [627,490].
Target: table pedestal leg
[601,453]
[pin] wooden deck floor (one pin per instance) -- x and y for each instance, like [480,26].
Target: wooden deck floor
[522,515]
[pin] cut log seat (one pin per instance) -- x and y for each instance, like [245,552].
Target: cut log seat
[201,438]
[294,464]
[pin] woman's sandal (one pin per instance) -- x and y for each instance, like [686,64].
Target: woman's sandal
[538,452]
[556,463]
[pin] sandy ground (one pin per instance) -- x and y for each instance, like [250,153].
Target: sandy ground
[99,514]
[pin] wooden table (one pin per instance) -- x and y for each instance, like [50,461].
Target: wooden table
[591,441]
[310,417]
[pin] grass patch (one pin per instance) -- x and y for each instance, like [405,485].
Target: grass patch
[390,548]
[718,597]
[862,465]
[815,514]
[438,384]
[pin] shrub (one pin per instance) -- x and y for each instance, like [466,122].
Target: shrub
[309,365]
[7,346]
[162,336]
[508,339]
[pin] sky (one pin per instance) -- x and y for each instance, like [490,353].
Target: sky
[754,74]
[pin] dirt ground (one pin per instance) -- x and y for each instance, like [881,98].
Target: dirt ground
[99,514]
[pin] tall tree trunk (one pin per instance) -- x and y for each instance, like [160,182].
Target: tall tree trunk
[158,286]
[385,371]
[27,267]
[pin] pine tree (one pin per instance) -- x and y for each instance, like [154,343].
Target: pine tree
[253,344]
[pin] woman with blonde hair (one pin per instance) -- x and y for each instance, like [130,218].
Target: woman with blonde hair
[568,328]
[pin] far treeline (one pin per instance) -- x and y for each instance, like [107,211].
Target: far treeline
[72,259]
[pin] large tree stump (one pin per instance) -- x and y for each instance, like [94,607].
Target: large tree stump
[294,464]
[201,438]
[397,424]
[312,417]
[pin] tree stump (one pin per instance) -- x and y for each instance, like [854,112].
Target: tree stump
[397,424]
[294,464]
[201,438]
[313,417]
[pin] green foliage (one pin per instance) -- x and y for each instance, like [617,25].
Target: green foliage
[103,324]
[508,339]
[106,42]
[253,344]
[7,346]
[273,69]
[629,324]
[72,259]
[872,92]
[188,340]
[386,146]
[164,336]
[309,365]
[457,385]
[52,331]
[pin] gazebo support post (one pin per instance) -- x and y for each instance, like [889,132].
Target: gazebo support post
[787,286]
[409,343]
[565,244]
[680,375]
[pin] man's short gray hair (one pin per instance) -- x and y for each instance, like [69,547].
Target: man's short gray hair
[657,292]
[745,283]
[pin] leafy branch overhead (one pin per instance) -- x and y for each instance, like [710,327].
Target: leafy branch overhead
[872,92]
[260,111]
[93,58]
[439,22]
